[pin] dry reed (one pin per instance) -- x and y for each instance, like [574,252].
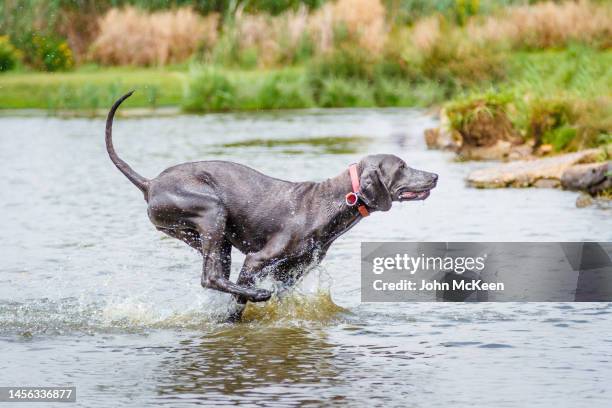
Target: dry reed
[546,25]
[276,39]
[135,37]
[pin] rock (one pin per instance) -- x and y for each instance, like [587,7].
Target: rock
[501,150]
[525,173]
[603,203]
[547,183]
[432,138]
[584,200]
[592,177]
[544,149]
[521,152]
[498,151]
[443,137]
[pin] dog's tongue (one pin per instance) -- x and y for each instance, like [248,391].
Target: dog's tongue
[409,194]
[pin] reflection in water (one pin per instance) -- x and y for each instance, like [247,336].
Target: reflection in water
[240,362]
[317,307]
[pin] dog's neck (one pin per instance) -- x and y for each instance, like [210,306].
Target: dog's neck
[334,192]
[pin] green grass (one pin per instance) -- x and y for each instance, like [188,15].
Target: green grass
[89,88]
[577,73]
[578,70]
[557,97]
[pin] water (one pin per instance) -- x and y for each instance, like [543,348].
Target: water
[92,295]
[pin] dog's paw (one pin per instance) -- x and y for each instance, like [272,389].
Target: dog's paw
[260,295]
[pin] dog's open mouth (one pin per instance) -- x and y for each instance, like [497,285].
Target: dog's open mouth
[413,195]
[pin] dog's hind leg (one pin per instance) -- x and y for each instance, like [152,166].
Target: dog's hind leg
[216,253]
[189,236]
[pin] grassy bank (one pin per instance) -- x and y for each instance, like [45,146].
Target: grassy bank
[577,72]
[91,87]
[206,89]
[557,98]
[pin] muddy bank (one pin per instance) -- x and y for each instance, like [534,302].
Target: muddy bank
[489,136]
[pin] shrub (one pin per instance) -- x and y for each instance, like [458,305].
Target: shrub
[135,37]
[47,52]
[483,120]
[364,21]
[272,40]
[547,24]
[442,53]
[284,92]
[570,123]
[545,118]
[394,92]
[209,90]
[343,62]
[9,56]
[340,93]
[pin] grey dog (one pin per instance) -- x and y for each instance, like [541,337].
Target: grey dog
[281,226]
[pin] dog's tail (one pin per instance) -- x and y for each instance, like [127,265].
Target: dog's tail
[139,181]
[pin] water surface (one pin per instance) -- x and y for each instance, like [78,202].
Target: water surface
[92,295]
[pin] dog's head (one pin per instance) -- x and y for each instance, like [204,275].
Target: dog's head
[385,178]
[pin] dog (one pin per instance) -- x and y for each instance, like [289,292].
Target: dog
[281,226]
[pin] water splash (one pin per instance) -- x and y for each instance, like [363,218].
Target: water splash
[293,308]
[310,300]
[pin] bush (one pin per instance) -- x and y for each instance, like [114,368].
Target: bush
[132,36]
[340,93]
[346,61]
[546,117]
[484,119]
[209,90]
[570,123]
[442,52]
[9,56]
[48,53]
[399,92]
[547,24]
[284,92]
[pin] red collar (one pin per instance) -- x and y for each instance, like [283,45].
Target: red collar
[352,198]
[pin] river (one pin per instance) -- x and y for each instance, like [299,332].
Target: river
[92,295]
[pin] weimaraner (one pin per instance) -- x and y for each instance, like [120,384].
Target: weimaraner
[281,226]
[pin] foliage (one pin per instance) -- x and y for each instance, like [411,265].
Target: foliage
[483,119]
[209,90]
[341,93]
[546,25]
[284,92]
[9,56]
[343,62]
[131,37]
[89,88]
[47,53]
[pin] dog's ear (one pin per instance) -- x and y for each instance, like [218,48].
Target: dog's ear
[373,191]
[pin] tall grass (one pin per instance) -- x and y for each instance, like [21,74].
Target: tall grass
[292,37]
[212,89]
[133,37]
[547,24]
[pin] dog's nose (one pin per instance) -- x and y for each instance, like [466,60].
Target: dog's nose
[435,178]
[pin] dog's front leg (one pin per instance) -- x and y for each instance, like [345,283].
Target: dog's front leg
[216,253]
[254,267]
